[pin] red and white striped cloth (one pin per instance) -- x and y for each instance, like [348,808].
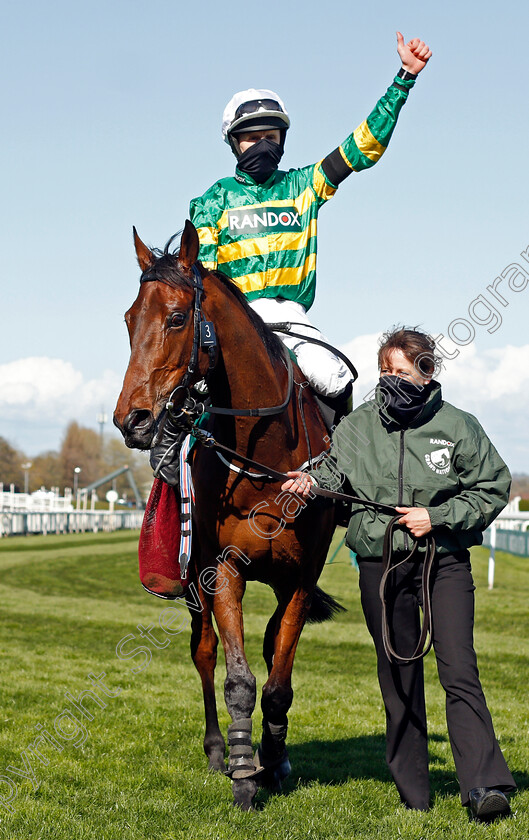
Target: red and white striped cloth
[187,499]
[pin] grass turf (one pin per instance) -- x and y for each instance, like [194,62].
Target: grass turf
[137,769]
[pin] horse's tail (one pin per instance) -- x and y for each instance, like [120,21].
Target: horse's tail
[323,608]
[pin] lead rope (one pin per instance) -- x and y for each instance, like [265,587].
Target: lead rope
[206,439]
[426,630]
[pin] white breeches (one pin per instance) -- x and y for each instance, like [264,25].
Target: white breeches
[326,372]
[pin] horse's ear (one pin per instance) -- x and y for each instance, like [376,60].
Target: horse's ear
[145,256]
[189,246]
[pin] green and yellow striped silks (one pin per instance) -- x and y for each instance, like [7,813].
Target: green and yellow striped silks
[264,236]
[366,145]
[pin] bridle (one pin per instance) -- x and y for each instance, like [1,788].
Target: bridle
[204,338]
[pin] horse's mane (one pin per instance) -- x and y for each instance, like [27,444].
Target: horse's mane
[165,270]
[272,343]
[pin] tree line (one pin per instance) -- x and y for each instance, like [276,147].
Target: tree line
[81,448]
[84,448]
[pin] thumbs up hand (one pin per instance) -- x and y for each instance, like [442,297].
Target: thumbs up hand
[414,54]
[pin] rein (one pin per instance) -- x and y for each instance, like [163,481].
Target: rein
[206,439]
[285,327]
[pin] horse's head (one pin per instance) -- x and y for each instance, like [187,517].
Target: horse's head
[161,330]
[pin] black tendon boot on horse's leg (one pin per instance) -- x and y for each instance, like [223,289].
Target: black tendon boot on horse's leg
[271,759]
[241,767]
[239,693]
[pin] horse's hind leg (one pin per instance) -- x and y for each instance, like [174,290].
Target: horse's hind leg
[269,640]
[204,653]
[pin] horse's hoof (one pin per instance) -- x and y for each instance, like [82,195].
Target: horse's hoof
[270,773]
[284,769]
[216,763]
[244,791]
[215,749]
[272,778]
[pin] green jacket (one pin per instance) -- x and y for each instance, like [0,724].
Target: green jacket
[443,461]
[264,236]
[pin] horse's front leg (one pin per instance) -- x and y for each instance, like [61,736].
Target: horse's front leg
[277,691]
[239,689]
[204,654]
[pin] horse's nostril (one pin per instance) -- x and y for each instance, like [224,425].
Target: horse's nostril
[138,420]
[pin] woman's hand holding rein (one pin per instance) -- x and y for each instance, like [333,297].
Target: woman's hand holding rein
[298,482]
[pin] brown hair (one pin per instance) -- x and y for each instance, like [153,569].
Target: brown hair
[417,346]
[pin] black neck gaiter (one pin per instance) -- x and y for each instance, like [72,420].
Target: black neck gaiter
[404,399]
[261,159]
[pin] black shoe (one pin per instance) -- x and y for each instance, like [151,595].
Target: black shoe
[486,804]
[165,455]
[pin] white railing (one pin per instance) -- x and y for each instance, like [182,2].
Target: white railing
[41,500]
[510,533]
[68,522]
[45,512]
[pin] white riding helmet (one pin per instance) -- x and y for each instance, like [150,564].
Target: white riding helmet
[253,109]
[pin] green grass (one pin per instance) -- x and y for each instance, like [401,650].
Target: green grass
[141,773]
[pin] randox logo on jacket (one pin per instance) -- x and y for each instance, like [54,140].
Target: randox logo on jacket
[264,220]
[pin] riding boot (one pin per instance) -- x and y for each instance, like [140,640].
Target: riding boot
[334,408]
[165,454]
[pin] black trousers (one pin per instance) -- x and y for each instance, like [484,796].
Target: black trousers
[477,755]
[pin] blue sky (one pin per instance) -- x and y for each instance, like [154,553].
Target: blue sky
[112,116]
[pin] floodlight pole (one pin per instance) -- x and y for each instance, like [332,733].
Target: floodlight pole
[102,418]
[26,467]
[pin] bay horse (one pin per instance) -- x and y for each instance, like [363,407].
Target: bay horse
[236,514]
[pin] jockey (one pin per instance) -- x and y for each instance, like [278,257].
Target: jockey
[259,227]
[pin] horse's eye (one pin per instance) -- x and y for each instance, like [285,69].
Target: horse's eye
[176,319]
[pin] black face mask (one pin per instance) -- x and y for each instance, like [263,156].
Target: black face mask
[403,399]
[261,159]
